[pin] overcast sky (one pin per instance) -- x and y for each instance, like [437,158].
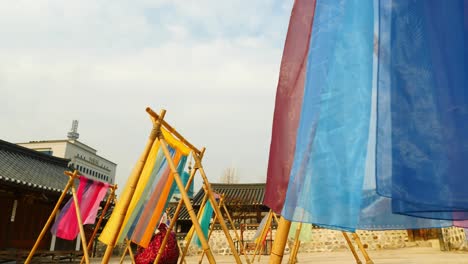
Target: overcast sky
[213,65]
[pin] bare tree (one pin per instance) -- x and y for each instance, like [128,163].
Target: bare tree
[230,176]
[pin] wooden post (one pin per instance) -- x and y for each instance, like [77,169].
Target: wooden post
[295,251]
[51,218]
[128,248]
[258,246]
[80,224]
[122,258]
[172,130]
[275,217]
[218,212]
[279,244]
[293,255]
[101,217]
[176,215]
[178,244]
[131,185]
[189,236]
[235,232]
[187,202]
[351,247]
[211,227]
[362,249]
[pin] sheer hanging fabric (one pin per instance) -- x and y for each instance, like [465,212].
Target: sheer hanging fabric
[205,220]
[422,128]
[288,103]
[382,134]
[326,179]
[151,195]
[89,195]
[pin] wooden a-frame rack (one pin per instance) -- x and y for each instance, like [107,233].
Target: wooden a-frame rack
[222,207]
[156,135]
[86,246]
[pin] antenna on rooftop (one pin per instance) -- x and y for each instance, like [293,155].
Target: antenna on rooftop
[73,134]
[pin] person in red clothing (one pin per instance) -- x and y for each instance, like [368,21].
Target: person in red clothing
[170,254]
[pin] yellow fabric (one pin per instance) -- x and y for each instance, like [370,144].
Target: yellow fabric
[175,143]
[112,228]
[157,213]
[144,178]
[132,189]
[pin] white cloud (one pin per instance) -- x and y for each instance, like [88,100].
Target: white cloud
[212,64]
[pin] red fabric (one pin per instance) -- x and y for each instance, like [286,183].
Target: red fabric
[288,103]
[170,254]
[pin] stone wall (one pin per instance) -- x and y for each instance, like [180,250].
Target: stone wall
[455,238]
[323,240]
[326,240]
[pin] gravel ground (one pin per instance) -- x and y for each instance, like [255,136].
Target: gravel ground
[414,255]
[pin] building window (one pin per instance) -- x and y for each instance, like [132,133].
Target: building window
[47,152]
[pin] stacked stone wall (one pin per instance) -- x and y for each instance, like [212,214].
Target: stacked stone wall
[323,240]
[455,238]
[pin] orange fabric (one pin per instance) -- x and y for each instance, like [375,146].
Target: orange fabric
[144,229]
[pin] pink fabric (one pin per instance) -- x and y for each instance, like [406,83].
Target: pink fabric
[288,103]
[100,190]
[66,225]
[89,194]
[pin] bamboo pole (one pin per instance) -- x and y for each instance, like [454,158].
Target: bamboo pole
[122,258]
[362,249]
[176,214]
[51,218]
[190,234]
[101,217]
[218,212]
[235,232]
[293,255]
[263,245]
[258,246]
[80,225]
[351,247]
[279,244]
[172,130]
[275,217]
[128,248]
[132,182]
[211,227]
[187,202]
[170,220]
[295,251]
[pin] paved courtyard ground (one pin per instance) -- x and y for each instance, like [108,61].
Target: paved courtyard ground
[415,255]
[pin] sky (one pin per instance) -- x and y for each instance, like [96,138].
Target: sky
[213,65]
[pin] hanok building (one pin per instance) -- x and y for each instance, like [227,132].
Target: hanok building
[30,185]
[244,201]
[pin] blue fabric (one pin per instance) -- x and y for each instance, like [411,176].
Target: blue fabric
[205,220]
[376,211]
[422,128]
[327,176]
[185,177]
[180,171]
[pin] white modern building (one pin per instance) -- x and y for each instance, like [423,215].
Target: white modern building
[82,157]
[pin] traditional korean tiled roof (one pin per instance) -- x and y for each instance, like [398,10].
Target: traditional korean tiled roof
[243,194]
[236,193]
[31,169]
